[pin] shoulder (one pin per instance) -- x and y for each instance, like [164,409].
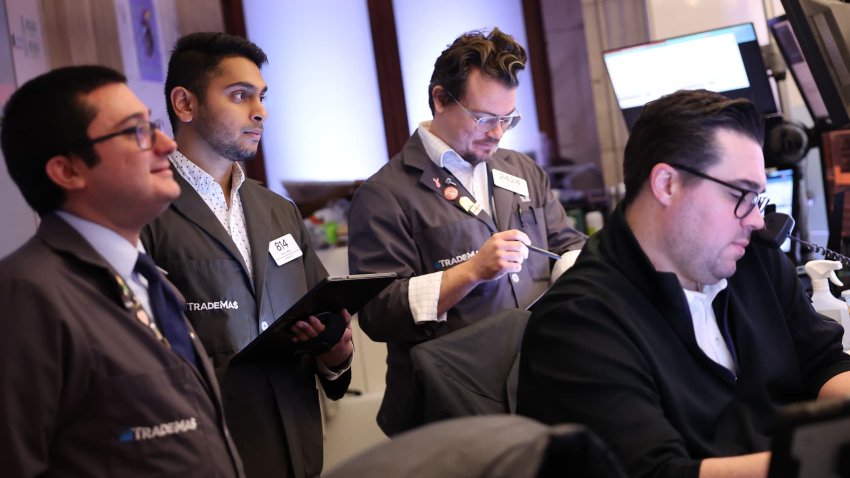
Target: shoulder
[33,260]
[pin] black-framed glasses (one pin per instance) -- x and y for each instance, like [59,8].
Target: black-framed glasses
[487,123]
[746,202]
[144,132]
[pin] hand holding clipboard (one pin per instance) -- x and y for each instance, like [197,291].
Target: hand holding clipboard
[324,302]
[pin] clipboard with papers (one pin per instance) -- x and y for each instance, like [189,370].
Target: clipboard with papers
[324,301]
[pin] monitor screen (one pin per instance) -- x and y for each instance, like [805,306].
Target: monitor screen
[789,47]
[822,29]
[780,190]
[726,60]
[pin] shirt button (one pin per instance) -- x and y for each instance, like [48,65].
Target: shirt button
[515,277]
[264,325]
[192,335]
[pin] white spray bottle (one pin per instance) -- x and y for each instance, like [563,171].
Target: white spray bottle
[823,301]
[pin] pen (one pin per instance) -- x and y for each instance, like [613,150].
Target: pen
[550,255]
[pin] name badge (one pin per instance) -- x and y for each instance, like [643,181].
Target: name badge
[510,182]
[284,249]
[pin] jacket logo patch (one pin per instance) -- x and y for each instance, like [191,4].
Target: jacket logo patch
[159,431]
[214,305]
[445,263]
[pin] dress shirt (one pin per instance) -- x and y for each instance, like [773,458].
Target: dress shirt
[118,253]
[706,330]
[232,219]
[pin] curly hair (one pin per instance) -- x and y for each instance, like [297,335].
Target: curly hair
[497,55]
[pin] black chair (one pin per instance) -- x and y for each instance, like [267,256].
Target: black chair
[472,371]
[491,446]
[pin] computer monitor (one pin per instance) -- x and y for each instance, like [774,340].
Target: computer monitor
[822,29]
[789,47]
[780,190]
[726,60]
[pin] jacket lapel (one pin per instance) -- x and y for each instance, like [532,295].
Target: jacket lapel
[257,222]
[434,178]
[194,209]
[503,199]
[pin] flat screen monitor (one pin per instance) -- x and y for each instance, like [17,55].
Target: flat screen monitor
[822,29]
[726,60]
[789,47]
[780,190]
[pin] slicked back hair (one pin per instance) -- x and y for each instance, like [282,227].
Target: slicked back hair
[680,128]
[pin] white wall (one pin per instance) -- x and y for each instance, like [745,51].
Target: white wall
[425,29]
[325,120]
[669,18]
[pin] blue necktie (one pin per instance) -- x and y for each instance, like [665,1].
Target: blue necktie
[166,309]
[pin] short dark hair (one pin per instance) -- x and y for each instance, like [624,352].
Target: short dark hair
[49,116]
[680,128]
[497,55]
[195,59]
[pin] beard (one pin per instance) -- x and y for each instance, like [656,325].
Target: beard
[216,136]
[474,159]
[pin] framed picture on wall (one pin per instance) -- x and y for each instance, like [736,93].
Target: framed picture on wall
[7,67]
[146,37]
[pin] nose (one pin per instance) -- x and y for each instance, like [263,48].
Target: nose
[259,112]
[754,220]
[497,132]
[163,143]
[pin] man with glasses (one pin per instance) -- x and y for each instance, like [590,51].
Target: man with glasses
[101,373]
[453,214]
[242,256]
[675,336]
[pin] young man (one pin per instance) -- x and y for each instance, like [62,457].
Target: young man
[216,243]
[101,374]
[453,213]
[675,336]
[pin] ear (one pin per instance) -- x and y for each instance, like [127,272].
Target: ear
[436,93]
[664,182]
[184,103]
[66,171]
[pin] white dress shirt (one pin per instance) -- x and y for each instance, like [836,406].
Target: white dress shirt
[232,219]
[707,332]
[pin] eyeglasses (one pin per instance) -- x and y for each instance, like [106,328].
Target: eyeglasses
[144,132]
[746,202]
[487,123]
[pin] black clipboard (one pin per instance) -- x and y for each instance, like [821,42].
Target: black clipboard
[812,440]
[324,300]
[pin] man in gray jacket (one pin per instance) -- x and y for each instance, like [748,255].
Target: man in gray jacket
[101,374]
[242,256]
[453,214]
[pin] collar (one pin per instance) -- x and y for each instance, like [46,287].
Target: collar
[707,294]
[618,244]
[438,151]
[118,253]
[201,180]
